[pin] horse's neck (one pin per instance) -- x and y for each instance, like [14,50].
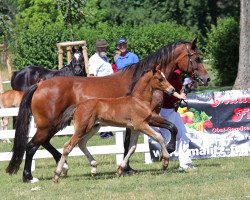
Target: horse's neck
[143,89]
[65,71]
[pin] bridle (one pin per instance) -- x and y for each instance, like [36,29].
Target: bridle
[190,63]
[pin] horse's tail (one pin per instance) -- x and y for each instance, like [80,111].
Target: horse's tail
[22,131]
[13,79]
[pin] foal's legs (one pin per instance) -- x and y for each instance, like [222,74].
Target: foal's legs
[158,137]
[159,121]
[56,155]
[66,150]
[83,146]
[132,146]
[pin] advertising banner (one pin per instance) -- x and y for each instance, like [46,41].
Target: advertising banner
[218,124]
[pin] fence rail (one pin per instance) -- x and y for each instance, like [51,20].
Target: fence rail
[117,148]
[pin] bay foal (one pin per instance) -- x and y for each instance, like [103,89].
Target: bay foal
[133,111]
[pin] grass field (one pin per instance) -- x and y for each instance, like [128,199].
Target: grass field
[220,178]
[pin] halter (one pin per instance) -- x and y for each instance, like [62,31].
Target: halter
[190,62]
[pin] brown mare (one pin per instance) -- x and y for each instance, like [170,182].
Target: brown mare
[9,99]
[53,102]
[133,111]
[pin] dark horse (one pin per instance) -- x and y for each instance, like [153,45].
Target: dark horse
[23,79]
[52,102]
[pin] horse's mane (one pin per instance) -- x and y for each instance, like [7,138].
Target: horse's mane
[161,57]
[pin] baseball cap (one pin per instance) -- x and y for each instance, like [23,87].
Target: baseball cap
[101,43]
[120,41]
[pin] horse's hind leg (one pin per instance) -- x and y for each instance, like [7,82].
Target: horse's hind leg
[82,145]
[132,146]
[31,148]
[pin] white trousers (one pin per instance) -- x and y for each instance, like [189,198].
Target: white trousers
[182,141]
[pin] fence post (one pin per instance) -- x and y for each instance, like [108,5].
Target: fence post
[147,154]
[119,142]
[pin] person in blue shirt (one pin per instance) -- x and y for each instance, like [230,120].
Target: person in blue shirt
[126,57]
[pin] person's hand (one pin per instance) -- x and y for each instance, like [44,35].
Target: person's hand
[180,96]
[183,96]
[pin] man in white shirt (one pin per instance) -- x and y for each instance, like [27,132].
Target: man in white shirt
[98,63]
[99,66]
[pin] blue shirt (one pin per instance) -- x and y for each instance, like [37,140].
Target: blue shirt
[128,59]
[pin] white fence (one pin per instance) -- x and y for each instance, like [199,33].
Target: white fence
[116,149]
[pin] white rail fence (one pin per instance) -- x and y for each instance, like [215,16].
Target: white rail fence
[117,148]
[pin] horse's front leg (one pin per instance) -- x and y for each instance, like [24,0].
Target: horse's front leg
[83,146]
[132,147]
[158,137]
[159,121]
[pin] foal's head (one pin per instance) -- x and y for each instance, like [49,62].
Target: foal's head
[78,62]
[159,82]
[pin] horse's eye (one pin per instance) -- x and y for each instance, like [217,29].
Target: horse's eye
[198,60]
[160,79]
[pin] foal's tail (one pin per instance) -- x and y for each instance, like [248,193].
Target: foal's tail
[22,131]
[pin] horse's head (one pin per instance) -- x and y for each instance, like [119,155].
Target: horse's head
[189,62]
[78,62]
[159,82]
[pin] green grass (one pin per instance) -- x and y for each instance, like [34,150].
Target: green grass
[224,178]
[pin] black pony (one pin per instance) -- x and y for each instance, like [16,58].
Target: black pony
[23,79]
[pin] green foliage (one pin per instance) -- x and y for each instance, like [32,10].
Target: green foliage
[37,46]
[223,50]
[142,39]
[7,12]
[37,13]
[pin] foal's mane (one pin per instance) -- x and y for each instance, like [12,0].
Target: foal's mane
[161,57]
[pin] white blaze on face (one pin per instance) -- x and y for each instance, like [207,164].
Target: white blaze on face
[77,56]
[163,75]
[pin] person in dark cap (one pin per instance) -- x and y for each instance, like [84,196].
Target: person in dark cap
[99,63]
[99,66]
[126,57]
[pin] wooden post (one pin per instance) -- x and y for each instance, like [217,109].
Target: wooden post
[1,81]
[69,56]
[60,56]
[69,45]
[86,59]
[8,61]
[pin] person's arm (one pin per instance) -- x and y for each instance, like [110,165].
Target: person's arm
[93,63]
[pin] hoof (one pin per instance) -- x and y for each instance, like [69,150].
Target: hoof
[33,180]
[93,172]
[165,163]
[119,171]
[56,177]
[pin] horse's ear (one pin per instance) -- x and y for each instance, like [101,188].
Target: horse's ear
[73,49]
[80,48]
[193,43]
[156,67]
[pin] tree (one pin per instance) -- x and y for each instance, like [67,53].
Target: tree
[7,12]
[243,76]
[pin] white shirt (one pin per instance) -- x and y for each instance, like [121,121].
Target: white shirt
[99,66]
